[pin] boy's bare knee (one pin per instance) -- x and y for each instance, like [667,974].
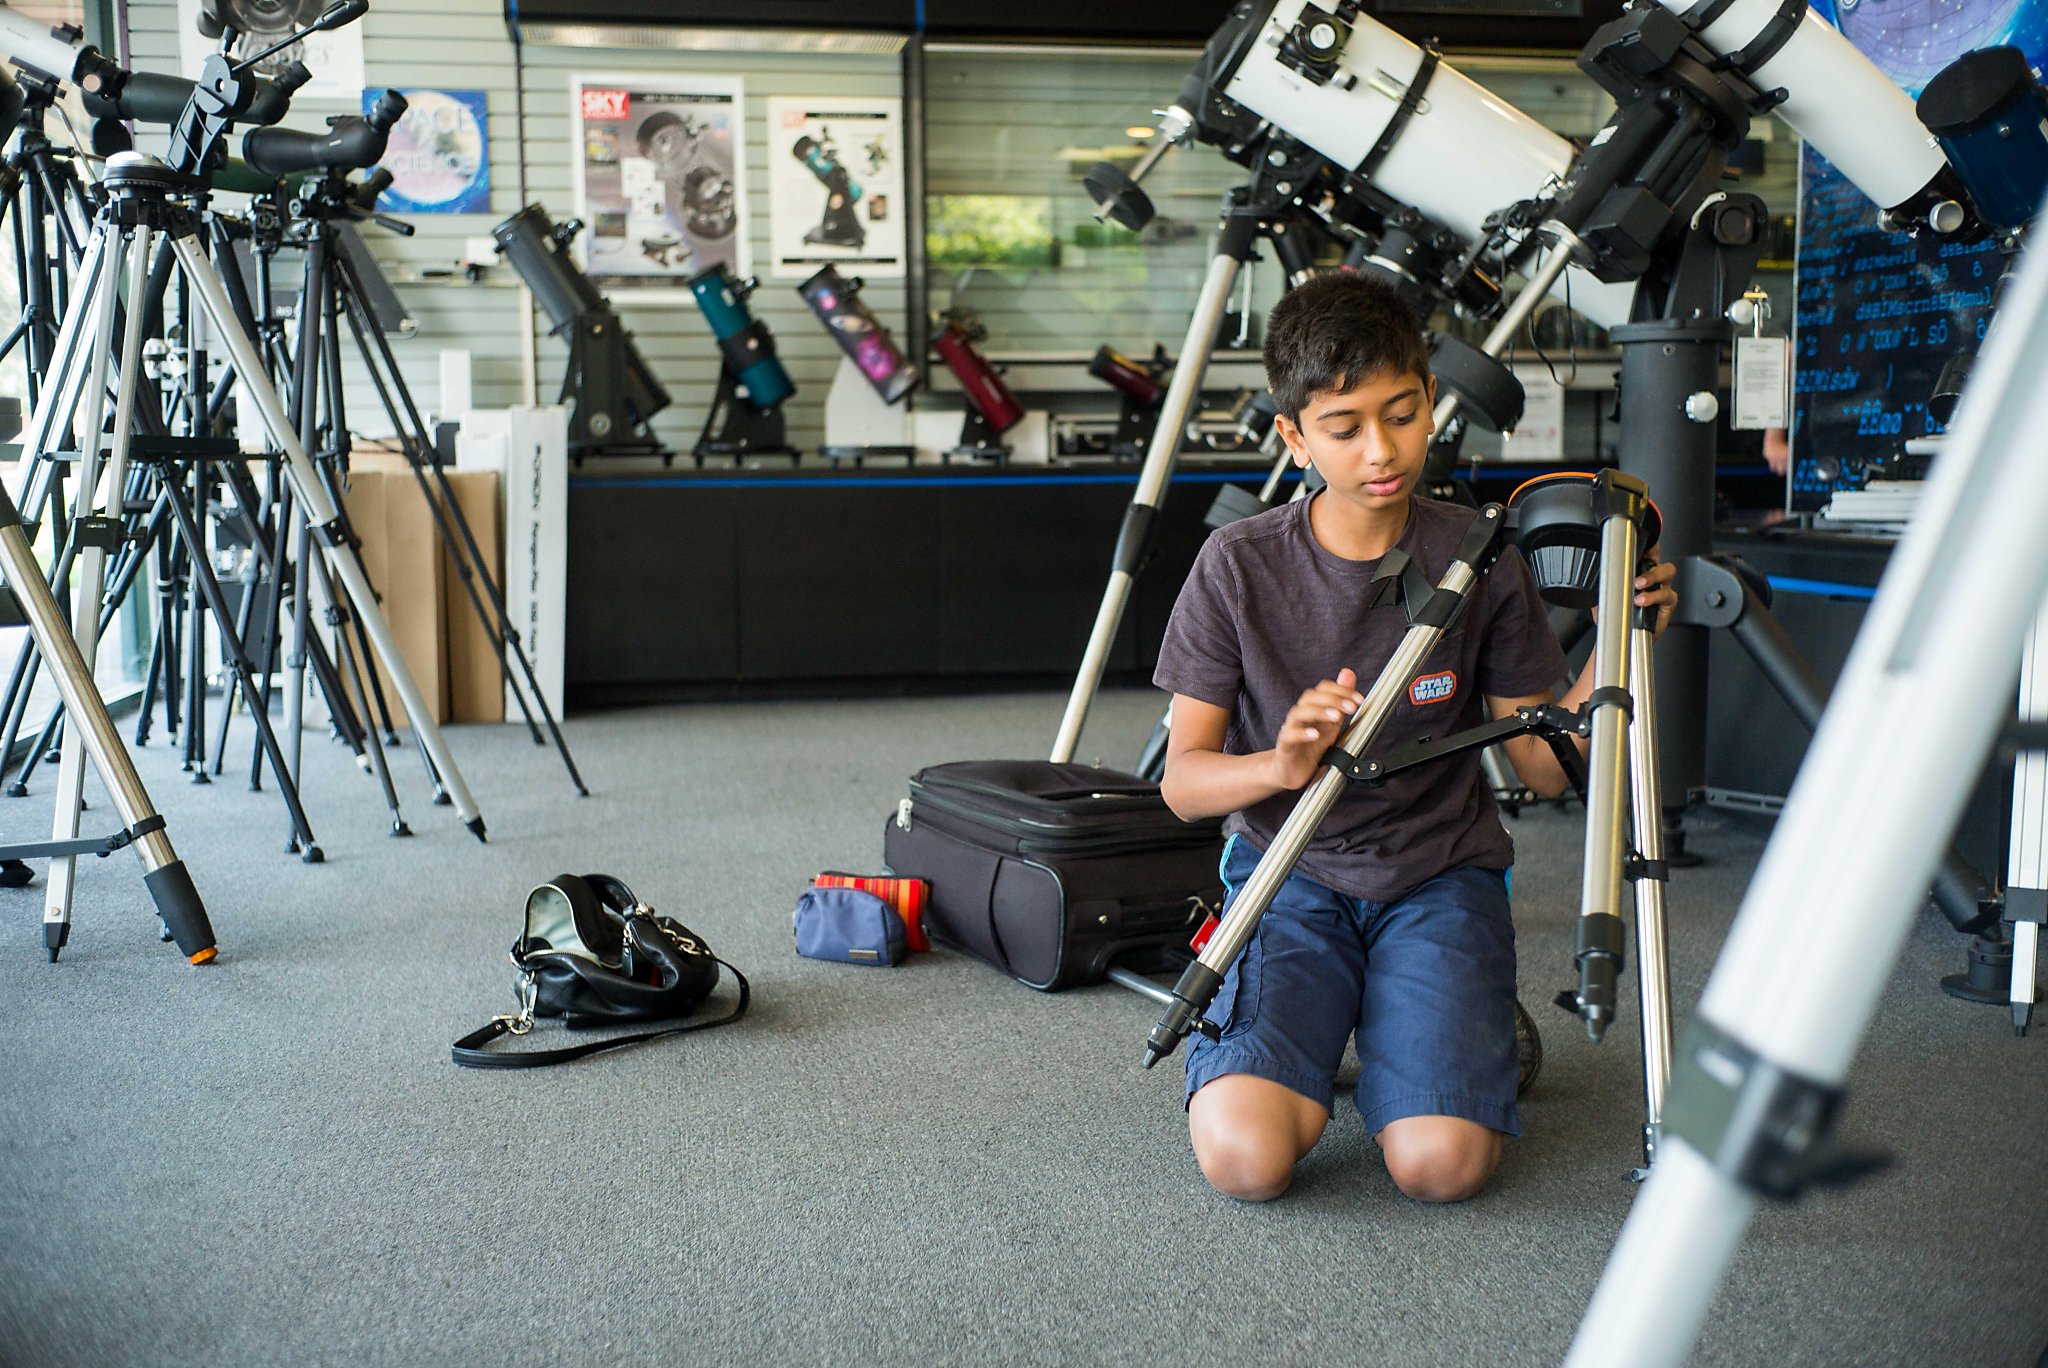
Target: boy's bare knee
[1248,1133]
[1248,1167]
[1439,1158]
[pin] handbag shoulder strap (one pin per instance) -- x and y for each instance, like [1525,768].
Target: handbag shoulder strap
[470,1051]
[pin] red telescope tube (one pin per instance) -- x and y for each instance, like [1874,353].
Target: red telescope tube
[1118,371]
[985,389]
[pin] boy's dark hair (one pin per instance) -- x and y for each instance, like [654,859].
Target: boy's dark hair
[1335,329]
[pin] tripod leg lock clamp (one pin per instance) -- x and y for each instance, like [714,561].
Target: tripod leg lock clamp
[1761,1125]
[1610,697]
[121,839]
[1636,868]
[1351,767]
[96,531]
[335,533]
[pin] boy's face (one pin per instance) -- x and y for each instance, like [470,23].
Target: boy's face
[1369,441]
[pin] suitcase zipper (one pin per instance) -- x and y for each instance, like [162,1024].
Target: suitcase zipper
[1039,836]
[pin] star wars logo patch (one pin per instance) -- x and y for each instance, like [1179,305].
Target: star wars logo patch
[1433,688]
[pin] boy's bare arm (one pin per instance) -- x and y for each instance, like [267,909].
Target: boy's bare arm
[1202,781]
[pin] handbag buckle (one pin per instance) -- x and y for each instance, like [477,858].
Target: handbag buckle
[520,1022]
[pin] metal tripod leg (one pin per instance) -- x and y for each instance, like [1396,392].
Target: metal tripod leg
[88,531]
[1599,948]
[1233,250]
[2026,876]
[1653,966]
[456,534]
[168,881]
[322,514]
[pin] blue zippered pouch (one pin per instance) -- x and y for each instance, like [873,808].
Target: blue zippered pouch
[849,925]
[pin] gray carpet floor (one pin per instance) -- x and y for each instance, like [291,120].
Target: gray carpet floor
[272,1161]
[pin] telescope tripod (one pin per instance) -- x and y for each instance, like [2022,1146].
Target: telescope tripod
[92,731]
[333,292]
[142,203]
[1563,519]
[1250,213]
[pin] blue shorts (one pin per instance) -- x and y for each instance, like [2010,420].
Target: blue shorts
[1427,982]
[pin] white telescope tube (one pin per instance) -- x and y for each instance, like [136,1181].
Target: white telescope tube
[1463,153]
[31,44]
[1835,98]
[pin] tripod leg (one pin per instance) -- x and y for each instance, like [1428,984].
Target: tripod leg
[350,670]
[324,516]
[1599,949]
[238,662]
[1653,965]
[456,534]
[169,882]
[87,535]
[1134,541]
[195,640]
[1152,760]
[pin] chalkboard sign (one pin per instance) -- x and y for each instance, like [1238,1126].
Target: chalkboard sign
[1879,313]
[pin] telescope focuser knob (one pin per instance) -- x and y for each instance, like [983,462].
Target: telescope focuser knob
[1117,197]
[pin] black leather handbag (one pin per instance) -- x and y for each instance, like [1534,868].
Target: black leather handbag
[595,955]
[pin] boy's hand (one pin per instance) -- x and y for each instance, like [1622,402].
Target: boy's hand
[1313,724]
[1653,590]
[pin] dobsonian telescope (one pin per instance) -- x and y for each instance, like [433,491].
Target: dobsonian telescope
[840,227]
[611,392]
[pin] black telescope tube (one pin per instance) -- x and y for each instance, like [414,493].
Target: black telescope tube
[349,145]
[152,97]
[530,242]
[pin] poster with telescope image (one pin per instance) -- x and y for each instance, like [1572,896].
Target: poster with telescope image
[659,174]
[835,186]
[335,59]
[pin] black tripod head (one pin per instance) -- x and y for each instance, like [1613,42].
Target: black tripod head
[226,92]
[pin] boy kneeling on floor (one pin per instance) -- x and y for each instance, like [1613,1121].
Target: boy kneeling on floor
[1394,924]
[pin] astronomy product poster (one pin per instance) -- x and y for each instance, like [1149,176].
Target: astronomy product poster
[835,186]
[660,178]
[335,59]
[439,154]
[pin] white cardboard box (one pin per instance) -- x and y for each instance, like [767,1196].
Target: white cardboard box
[529,448]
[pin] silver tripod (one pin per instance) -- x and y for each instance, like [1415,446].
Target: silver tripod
[140,211]
[91,731]
[1757,1079]
[1558,522]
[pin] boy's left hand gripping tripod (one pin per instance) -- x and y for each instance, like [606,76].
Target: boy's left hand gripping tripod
[1583,536]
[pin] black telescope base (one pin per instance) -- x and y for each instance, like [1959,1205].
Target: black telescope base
[1988,978]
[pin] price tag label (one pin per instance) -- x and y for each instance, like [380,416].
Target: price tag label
[1763,382]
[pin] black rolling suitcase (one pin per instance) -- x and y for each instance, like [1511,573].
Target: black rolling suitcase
[1049,871]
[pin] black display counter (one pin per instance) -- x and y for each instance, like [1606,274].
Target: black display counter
[715,582]
[693,584]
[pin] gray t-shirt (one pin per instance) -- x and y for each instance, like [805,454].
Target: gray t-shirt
[1267,612]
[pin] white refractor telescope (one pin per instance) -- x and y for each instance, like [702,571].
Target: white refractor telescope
[1400,128]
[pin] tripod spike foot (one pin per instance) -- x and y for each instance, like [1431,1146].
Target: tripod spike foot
[17,790]
[15,874]
[476,828]
[2022,1017]
[441,798]
[54,936]
[399,828]
[200,776]
[313,855]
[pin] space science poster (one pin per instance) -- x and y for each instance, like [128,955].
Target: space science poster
[835,186]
